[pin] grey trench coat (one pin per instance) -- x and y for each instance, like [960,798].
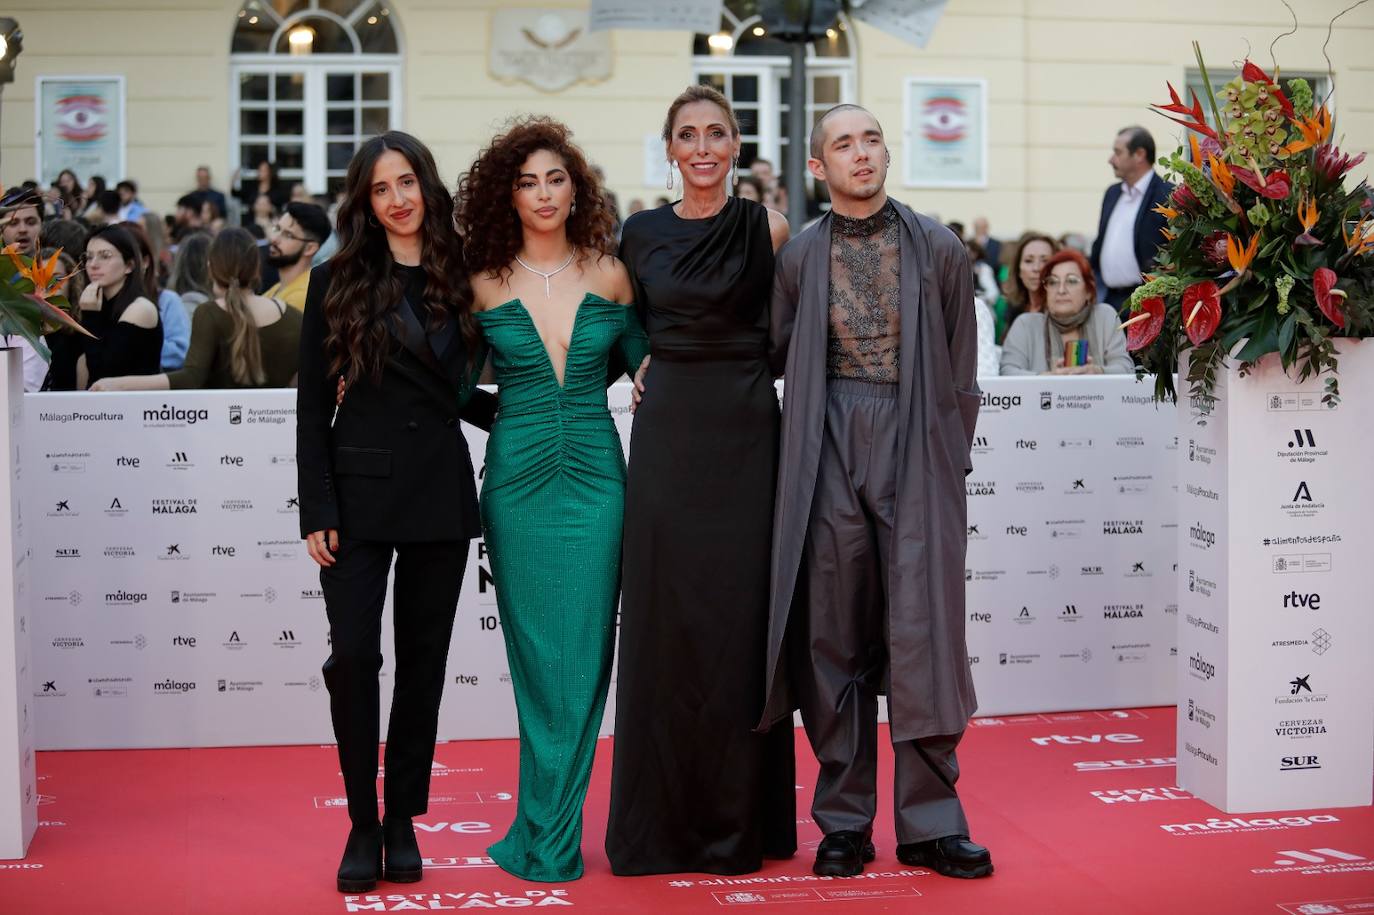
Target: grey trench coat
[931,687]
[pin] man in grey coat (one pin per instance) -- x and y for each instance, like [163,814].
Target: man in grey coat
[875,333]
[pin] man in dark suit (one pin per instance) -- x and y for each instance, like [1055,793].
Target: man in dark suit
[1128,232]
[992,248]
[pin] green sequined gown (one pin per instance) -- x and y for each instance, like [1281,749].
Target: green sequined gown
[553,499]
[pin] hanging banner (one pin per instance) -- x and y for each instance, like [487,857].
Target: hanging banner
[945,126]
[80,122]
[701,16]
[910,20]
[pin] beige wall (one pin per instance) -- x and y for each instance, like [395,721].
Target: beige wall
[1062,77]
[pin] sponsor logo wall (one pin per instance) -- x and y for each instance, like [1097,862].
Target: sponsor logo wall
[1276,515]
[175,604]
[1070,572]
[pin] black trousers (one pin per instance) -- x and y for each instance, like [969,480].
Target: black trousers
[845,664]
[425,599]
[1116,296]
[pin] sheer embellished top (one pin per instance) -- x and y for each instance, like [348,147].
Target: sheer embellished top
[865,297]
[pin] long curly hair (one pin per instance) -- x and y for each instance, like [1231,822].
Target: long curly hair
[487,218]
[364,288]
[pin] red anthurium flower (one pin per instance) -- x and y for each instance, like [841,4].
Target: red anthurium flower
[1144,326]
[1201,311]
[1332,164]
[1251,73]
[1275,186]
[1328,296]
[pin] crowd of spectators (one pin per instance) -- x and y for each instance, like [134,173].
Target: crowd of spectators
[209,295]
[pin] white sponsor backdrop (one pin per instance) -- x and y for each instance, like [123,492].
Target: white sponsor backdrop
[18,778]
[175,605]
[1275,687]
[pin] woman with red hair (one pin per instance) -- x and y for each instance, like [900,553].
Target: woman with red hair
[1065,314]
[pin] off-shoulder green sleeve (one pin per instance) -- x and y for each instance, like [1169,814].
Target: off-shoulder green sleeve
[633,342]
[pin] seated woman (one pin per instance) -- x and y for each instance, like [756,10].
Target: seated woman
[1067,311]
[240,340]
[116,308]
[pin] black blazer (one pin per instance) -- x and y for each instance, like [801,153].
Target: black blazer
[393,465]
[1147,225]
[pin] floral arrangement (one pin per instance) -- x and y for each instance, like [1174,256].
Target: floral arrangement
[1264,243]
[31,304]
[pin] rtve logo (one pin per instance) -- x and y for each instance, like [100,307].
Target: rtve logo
[1294,600]
[1072,739]
[133,462]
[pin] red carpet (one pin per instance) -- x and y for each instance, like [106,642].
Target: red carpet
[1074,807]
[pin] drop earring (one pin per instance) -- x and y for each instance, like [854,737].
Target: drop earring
[670,176]
[572,209]
[734,172]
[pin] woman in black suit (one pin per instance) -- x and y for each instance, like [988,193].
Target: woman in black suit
[390,474]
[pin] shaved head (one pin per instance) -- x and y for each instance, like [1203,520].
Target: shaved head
[818,130]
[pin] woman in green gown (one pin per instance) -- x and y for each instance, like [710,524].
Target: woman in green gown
[551,301]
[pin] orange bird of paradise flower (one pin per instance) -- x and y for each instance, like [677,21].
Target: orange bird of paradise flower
[1166,211]
[1308,214]
[1241,257]
[1221,175]
[1315,131]
[38,273]
[44,284]
[1358,241]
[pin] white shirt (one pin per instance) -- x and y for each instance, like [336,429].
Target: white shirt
[989,353]
[1118,263]
[35,366]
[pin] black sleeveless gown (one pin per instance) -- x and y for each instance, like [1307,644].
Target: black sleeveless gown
[693,787]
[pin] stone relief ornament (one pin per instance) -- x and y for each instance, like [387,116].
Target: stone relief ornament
[551,49]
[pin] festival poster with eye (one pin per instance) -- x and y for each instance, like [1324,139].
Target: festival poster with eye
[946,139]
[80,126]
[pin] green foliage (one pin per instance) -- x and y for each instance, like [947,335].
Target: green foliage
[1300,94]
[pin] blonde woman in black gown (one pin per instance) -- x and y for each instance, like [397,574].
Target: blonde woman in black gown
[693,786]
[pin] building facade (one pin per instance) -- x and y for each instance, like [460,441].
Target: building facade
[227,83]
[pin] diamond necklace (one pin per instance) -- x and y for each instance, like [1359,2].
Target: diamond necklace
[548,289]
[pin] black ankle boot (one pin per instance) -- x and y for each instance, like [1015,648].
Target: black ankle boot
[403,863]
[362,859]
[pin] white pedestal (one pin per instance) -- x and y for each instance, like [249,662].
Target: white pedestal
[1276,519]
[18,783]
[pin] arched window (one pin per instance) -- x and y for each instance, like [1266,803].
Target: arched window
[753,70]
[311,80]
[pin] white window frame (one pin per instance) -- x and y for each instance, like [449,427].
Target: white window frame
[317,68]
[316,71]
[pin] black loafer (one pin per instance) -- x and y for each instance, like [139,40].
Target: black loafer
[843,854]
[362,860]
[403,863]
[953,856]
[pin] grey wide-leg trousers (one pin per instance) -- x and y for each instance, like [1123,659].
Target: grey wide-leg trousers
[842,660]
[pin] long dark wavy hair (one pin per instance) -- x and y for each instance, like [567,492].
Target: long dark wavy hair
[486,216]
[364,287]
[118,235]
